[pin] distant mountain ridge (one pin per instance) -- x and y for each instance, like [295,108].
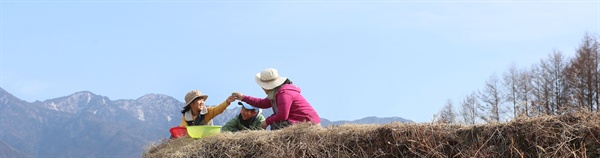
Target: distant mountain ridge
[8,151]
[84,124]
[367,120]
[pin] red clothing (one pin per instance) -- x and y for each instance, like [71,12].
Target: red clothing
[291,106]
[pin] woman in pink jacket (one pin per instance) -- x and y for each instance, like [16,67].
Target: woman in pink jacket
[289,106]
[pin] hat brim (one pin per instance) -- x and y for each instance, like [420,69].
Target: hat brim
[247,106]
[271,84]
[250,107]
[191,100]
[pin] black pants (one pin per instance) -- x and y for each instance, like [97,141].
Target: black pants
[280,125]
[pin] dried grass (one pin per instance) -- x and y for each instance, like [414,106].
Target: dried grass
[571,135]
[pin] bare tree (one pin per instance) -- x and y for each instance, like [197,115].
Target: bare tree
[549,82]
[525,93]
[447,114]
[539,91]
[597,74]
[491,100]
[518,85]
[583,75]
[510,84]
[468,109]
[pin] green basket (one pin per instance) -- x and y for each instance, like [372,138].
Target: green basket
[203,131]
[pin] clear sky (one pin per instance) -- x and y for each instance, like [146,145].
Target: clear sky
[352,59]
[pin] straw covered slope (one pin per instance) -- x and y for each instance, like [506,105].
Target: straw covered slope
[572,135]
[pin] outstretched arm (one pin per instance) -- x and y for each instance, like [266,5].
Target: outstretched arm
[256,102]
[214,111]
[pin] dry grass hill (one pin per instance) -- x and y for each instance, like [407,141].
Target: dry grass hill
[571,135]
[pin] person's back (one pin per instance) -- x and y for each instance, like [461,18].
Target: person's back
[300,109]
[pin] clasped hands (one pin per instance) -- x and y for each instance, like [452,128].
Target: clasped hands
[235,96]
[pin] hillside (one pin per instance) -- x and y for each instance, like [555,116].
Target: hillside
[8,151]
[572,135]
[84,124]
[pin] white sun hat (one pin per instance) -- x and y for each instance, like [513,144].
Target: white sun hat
[269,79]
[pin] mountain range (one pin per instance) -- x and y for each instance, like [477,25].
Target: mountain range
[84,124]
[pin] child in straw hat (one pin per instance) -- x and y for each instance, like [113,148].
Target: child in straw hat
[196,113]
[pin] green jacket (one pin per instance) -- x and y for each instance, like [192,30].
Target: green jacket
[235,124]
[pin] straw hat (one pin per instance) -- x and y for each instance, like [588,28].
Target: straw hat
[269,79]
[190,96]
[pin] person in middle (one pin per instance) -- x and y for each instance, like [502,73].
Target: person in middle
[249,118]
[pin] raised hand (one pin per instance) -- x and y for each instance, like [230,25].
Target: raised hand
[230,99]
[237,95]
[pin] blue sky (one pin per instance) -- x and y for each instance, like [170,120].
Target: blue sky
[352,59]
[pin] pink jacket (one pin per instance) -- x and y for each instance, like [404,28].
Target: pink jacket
[291,106]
